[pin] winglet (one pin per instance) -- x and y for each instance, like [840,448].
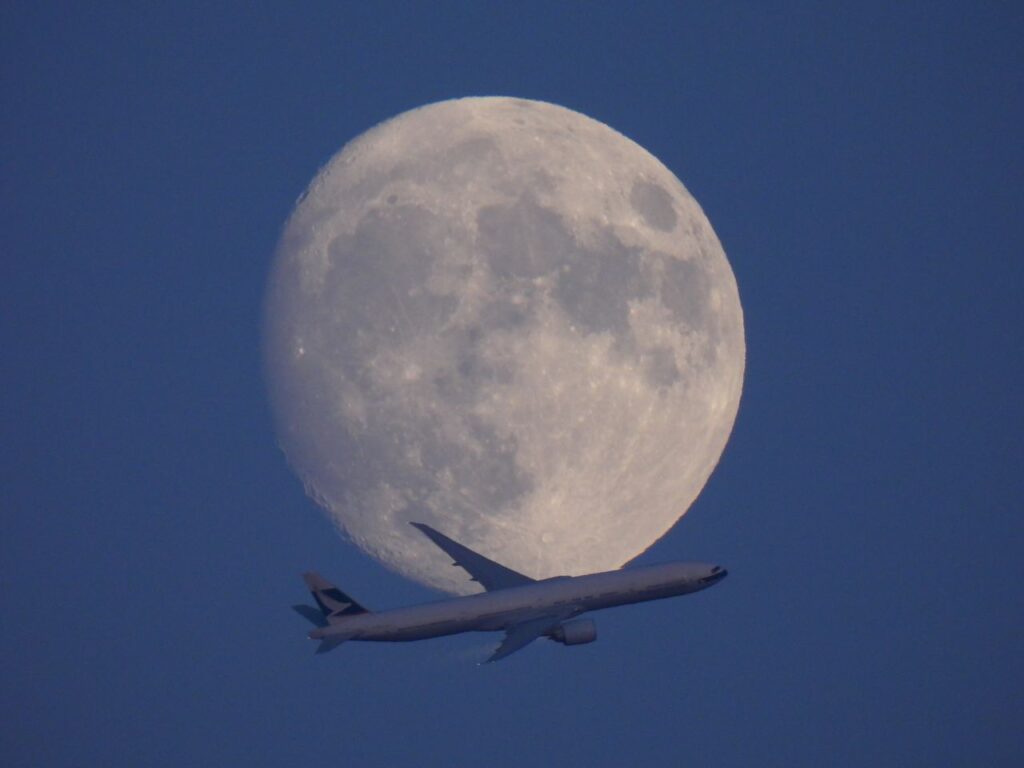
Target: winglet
[489,574]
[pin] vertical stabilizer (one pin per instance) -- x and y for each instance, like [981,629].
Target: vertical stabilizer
[332,602]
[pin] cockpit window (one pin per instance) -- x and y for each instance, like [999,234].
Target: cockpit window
[716,569]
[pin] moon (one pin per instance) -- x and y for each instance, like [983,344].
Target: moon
[504,319]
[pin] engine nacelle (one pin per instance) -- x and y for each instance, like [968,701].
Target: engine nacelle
[575,632]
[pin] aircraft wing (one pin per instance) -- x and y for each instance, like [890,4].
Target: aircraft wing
[488,573]
[521,635]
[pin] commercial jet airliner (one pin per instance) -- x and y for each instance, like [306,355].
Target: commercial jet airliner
[523,608]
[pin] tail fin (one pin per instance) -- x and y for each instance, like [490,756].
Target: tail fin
[333,603]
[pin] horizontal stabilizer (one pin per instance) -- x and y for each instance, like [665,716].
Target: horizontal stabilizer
[312,615]
[329,644]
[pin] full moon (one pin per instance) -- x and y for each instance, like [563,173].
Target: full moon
[506,320]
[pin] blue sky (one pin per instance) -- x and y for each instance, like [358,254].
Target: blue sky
[863,168]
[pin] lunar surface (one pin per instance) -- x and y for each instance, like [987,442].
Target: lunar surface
[506,320]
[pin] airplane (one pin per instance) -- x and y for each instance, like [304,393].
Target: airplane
[525,609]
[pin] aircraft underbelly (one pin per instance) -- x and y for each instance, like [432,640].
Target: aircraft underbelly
[450,622]
[401,633]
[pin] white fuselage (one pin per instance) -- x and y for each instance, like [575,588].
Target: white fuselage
[563,596]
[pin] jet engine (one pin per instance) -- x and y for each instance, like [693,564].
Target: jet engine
[575,632]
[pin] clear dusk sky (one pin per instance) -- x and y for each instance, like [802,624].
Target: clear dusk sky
[863,166]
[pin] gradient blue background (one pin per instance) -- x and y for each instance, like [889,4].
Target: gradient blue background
[863,168]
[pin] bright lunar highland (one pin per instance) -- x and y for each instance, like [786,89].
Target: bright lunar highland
[508,321]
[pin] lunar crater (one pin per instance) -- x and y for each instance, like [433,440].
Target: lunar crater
[654,204]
